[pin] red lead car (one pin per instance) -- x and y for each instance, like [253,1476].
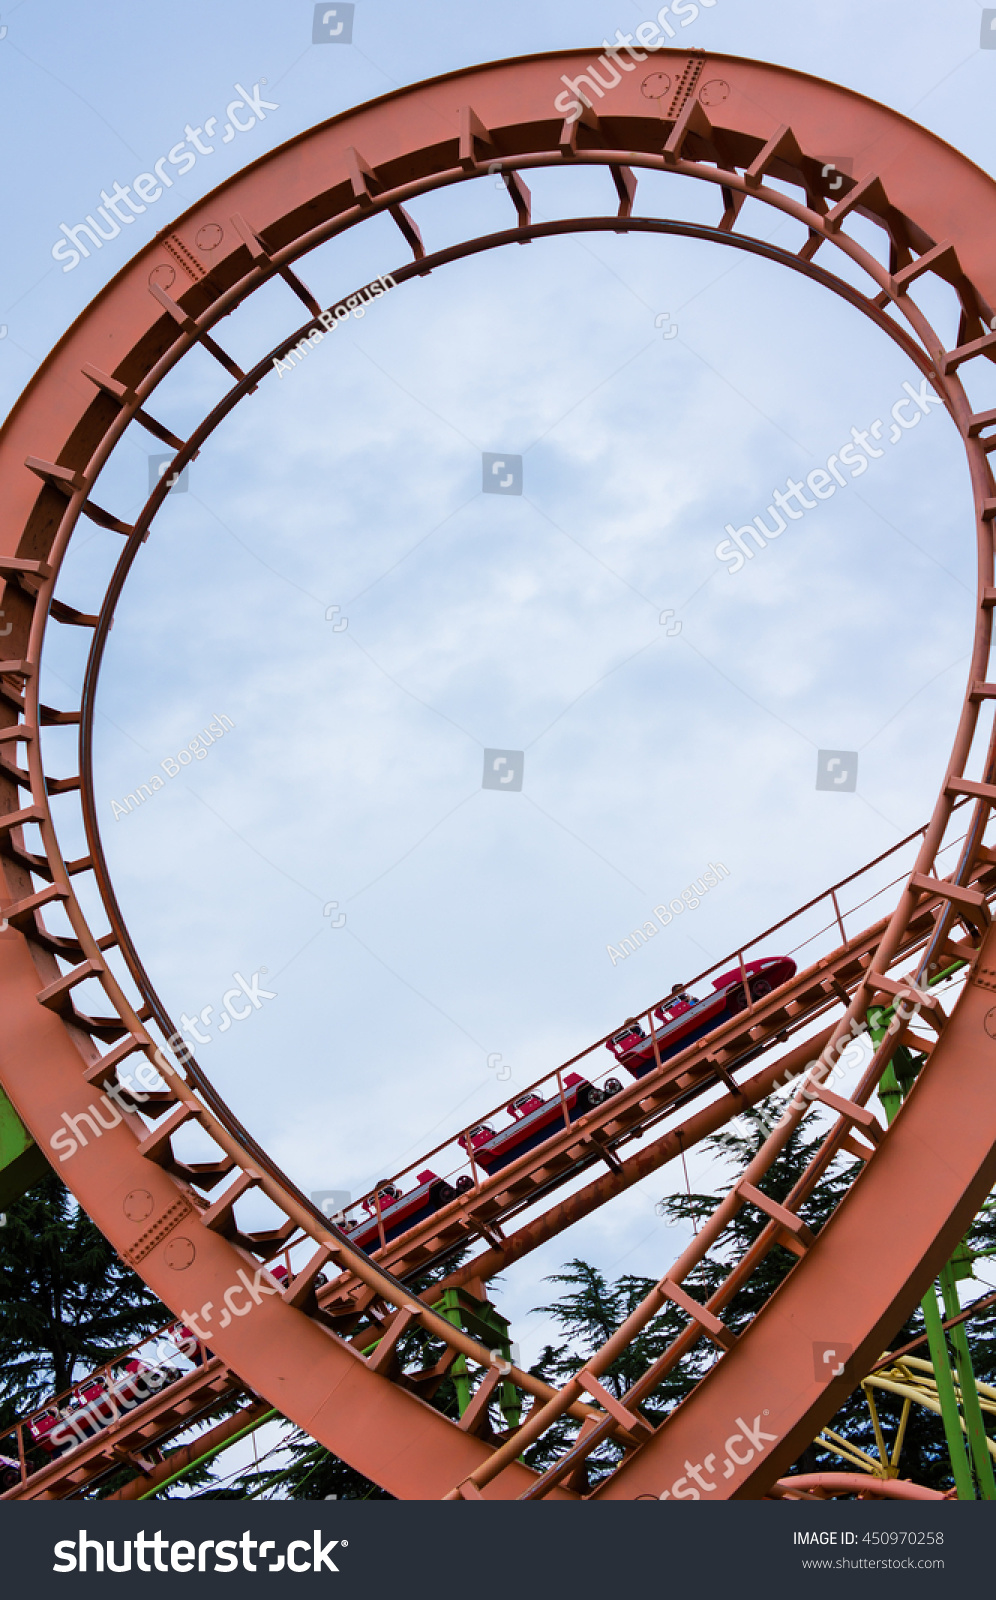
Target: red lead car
[684,1019]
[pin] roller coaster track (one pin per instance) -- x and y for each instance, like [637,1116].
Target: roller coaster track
[606,1130]
[753,132]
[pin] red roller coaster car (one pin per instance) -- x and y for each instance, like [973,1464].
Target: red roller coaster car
[684,1019]
[398,1211]
[88,1409]
[95,1403]
[535,1120]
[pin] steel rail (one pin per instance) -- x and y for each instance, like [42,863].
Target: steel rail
[191,449]
[246,385]
[758,152]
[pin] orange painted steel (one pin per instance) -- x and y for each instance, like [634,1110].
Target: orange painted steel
[749,130]
[828,1485]
[849,1287]
[186,1455]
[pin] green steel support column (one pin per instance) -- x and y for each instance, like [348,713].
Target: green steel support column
[974,1424]
[480,1319]
[950,1414]
[895,1083]
[448,1306]
[21,1162]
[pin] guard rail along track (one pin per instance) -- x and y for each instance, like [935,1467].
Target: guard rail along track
[752,131]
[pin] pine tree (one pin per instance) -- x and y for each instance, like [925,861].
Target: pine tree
[67,1302]
[305,1470]
[67,1305]
[593,1308]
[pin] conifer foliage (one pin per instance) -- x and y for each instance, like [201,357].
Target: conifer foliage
[67,1301]
[592,1307]
[67,1304]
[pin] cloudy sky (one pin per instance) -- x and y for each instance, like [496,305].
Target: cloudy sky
[477,921]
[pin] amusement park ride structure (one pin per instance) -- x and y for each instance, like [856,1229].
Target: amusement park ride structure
[319,1341]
